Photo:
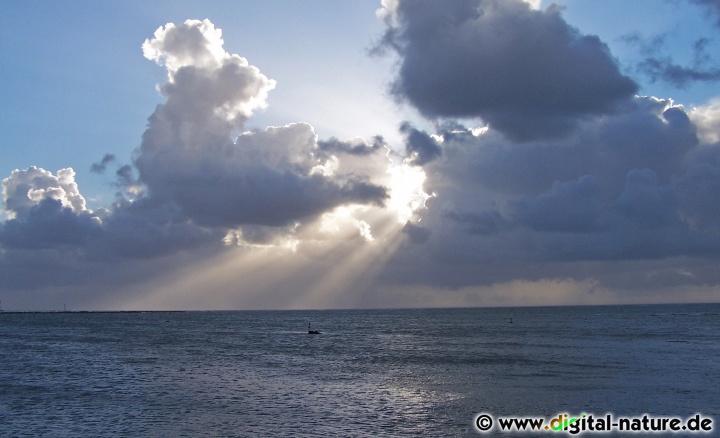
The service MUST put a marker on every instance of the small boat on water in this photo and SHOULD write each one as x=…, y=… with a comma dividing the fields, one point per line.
x=312, y=332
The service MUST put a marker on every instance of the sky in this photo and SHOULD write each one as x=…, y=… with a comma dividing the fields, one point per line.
x=366, y=154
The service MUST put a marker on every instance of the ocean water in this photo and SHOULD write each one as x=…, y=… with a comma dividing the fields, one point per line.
x=370, y=372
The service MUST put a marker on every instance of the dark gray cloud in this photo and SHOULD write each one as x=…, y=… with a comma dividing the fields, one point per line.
x=526, y=72
x=416, y=233
x=479, y=222
x=663, y=68
x=263, y=196
x=644, y=134
x=696, y=189
x=264, y=178
x=147, y=228
x=420, y=147
x=101, y=166
x=666, y=70
x=140, y=229
x=356, y=146
x=634, y=188
x=571, y=206
x=48, y=213
x=49, y=225
x=125, y=176
x=658, y=66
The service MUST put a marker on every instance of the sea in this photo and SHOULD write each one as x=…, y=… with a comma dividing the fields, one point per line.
x=369, y=373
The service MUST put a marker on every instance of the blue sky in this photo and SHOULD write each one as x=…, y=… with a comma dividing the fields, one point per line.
x=77, y=87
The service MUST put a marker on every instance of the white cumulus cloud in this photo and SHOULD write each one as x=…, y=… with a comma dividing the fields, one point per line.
x=25, y=188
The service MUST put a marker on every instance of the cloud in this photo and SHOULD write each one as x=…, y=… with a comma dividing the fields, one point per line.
x=478, y=222
x=419, y=146
x=49, y=224
x=146, y=229
x=48, y=211
x=416, y=233
x=574, y=186
x=706, y=119
x=187, y=156
x=356, y=146
x=126, y=180
x=264, y=178
x=524, y=71
x=635, y=188
x=646, y=133
x=24, y=189
x=102, y=165
x=193, y=43
x=198, y=184
x=680, y=76
x=665, y=69
x=658, y=66
x=204, y=81
x=571, y=206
